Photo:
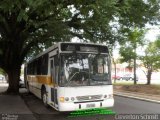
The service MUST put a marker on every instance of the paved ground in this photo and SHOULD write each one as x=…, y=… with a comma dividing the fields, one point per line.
x=30, y=107
x=125, y=105
x=122, y=105
x=9, y=103
x=13, y=107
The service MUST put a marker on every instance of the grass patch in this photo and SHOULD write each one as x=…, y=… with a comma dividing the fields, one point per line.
x=123, y=83
x=140, y=88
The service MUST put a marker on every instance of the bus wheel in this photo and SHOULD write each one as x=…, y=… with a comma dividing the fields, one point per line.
x=44, y=97
x=28, y=88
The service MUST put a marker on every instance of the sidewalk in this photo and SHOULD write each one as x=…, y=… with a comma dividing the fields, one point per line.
x=13, y=107
x=140, y=96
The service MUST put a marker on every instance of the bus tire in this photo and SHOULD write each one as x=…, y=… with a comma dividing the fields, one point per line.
x=28, y=88
x=44, y=97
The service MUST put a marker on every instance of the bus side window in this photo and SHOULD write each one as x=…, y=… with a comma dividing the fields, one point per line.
x=56, y=65
x=52, y=71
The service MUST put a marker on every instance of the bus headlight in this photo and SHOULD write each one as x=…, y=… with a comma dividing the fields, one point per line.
x=66, y=99
x=61, y=99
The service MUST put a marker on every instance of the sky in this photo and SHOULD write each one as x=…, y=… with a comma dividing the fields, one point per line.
x=152, y=33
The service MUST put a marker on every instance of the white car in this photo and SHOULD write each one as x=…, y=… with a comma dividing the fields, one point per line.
x=1, y=77
x=128, y=77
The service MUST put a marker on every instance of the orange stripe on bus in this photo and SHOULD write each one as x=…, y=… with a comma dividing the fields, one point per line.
x=43, y=79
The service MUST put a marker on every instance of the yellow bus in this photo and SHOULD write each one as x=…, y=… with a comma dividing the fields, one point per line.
x=71, y=76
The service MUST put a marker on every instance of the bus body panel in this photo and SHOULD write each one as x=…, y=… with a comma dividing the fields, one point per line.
x=73, y=107
x=85, y=97
x=80, y=95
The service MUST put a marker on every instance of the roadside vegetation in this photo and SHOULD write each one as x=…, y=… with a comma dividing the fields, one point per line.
x=27, y=27
x=139, y=88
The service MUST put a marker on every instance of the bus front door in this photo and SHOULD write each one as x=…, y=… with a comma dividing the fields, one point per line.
x=54, y=74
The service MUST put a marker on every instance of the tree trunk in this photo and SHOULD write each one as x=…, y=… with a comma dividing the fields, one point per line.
x=115, y=74
x=13, y=80
x=115, y=69
x=149, y=77
x=135, y=77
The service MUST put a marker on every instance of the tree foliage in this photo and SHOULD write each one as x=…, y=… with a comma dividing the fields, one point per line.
x=2, y=71
x=128, y=50
x=151, y=59
x=29, y=26
x=133, y=39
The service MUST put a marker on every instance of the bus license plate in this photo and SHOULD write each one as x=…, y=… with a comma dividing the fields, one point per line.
x=90, y=105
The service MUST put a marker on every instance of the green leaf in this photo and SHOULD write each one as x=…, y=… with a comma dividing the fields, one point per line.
x=22, y=16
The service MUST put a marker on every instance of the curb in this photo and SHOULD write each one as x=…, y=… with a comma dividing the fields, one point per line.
x=138, y=98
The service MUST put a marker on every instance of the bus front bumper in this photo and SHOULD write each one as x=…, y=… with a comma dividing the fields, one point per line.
x=73, y=106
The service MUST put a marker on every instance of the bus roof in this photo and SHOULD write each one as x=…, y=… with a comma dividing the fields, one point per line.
x=57, y=45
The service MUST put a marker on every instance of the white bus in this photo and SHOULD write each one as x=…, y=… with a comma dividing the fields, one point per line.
x=71, y=76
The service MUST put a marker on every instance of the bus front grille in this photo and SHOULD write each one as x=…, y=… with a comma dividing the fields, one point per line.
x=89, y=97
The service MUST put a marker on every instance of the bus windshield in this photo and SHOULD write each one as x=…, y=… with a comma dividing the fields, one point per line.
x=84, y=70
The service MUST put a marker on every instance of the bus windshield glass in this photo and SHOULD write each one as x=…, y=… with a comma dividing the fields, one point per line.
x=84, y=70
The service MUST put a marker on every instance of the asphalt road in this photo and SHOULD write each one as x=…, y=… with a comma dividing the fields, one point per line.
x=125, y=105
x=122, y=106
